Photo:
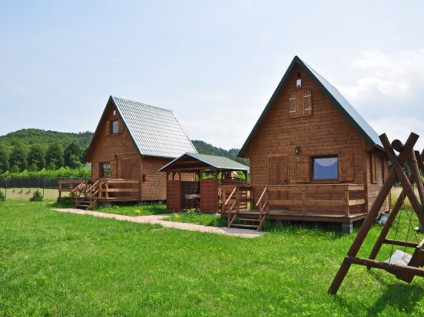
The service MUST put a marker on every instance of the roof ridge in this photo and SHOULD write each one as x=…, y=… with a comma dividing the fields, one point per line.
x=141, y=103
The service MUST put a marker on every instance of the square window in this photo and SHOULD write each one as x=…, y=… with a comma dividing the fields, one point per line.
x=115, y=127
x=325, y=168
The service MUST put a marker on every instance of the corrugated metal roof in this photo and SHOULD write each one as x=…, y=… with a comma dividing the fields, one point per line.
x=155, y=131
x=345, y=107
x=218, y=162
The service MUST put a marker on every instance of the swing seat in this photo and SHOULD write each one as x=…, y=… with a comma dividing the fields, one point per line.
x=405, y=259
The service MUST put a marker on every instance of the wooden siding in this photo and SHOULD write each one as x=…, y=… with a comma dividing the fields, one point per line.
x=173, y=199
x=154, y=186
x=209, y=195
x=325, y=132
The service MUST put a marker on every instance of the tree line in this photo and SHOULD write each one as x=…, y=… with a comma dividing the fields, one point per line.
x=36, y=157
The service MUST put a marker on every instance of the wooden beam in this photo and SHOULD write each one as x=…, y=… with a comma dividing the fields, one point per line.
x=375, y=208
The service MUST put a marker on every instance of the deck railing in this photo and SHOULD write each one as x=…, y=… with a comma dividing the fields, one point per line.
x=303, y=197
x=235, y=198
x=104, y=189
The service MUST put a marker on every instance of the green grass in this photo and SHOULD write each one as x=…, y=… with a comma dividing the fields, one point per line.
x=134, y=210
x=60, y=264
x=196, y=218
x=26, y=193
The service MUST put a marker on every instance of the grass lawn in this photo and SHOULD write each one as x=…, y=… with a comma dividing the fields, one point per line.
x=134, y=210
x=26, y=193
x=205, y=219
x=60, y=264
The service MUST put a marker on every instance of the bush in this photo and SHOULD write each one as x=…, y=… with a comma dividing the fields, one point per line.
x=37, y=196
x=2, y=196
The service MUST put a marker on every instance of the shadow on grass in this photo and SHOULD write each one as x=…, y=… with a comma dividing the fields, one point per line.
x=296, y=226
x=400, y=296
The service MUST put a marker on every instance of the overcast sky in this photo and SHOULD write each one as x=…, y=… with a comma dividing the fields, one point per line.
x=214, y=63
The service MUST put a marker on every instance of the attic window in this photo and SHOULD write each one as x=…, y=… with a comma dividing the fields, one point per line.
x=114, y=112
x=115, y=127
x=298, y=80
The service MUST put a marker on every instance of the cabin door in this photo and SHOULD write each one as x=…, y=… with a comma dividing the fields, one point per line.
x=278, y=175
x=130, y=169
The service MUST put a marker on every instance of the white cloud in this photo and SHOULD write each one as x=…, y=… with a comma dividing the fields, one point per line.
x=397, y=76
x=400, y=128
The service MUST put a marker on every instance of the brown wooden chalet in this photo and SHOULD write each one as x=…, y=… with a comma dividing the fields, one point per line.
x=131, y=143
x=312, y=155
x=203, y=182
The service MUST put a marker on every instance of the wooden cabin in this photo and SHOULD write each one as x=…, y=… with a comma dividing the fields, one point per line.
x=203, y=181
x=312, y=155
x=131, y=143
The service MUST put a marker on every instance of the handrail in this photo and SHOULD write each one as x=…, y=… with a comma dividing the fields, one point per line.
x=94, y=185
x=231, y=195
x=262, y=195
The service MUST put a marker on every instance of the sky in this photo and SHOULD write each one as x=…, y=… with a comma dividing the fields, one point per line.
x=214, y=63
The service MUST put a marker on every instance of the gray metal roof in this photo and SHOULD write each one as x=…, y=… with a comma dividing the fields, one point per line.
x=155, y=131
x=218, y=162
x=330, y=91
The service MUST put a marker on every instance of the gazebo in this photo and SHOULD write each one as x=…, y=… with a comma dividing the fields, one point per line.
x=198, y=181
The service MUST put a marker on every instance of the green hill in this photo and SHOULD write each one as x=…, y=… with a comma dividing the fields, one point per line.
x=35, y=149
x=29, y=137
x=206, y=148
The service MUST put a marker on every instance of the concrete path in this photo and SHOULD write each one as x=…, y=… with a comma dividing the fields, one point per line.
x=157, y=219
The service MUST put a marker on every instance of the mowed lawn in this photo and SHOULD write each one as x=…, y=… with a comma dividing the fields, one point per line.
x=60, y=264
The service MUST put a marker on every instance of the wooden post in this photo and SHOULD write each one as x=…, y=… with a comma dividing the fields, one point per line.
x=369, y=220
x=386, y=228
x=346, y=198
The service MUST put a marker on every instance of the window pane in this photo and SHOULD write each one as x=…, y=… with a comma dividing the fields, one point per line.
x=106, y=170
x=326, y=168
x=115, y=126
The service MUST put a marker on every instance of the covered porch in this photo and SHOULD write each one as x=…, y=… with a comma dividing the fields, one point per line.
x=199, y=181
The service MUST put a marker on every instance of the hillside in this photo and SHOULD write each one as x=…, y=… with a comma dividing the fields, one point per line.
x=29, y=137
x=206, y=148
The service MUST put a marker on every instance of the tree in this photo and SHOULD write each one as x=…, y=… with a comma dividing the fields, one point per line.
x=72, y=155
x=54, y=156
x=4, y=159
x=18, y=158
x=36, y=158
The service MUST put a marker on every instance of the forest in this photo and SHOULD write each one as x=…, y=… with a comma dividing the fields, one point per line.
x=35, y=152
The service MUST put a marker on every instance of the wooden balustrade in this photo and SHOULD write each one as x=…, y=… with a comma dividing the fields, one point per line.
x=304, y=197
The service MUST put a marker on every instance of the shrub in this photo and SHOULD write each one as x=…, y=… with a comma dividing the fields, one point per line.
x=37, y=196
x=2, y=196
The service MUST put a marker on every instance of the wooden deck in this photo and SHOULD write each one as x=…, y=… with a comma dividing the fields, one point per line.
x=85, y=193
x=287, y=214
x=342, y=203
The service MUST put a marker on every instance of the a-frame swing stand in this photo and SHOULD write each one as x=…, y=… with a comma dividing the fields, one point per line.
x=407, y=271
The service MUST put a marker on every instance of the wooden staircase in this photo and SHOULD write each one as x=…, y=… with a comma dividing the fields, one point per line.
x=236, y=207
x=86, y=196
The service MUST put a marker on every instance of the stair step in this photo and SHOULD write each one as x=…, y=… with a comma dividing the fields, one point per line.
x=248, y=219
x=238, y=225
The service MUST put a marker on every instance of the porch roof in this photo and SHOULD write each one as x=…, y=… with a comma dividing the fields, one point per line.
x=195, y=161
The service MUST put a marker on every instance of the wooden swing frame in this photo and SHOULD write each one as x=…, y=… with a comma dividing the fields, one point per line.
x=415, y=161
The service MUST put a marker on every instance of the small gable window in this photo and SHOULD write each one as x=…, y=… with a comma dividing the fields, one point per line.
x=105, y=169
x=115, y=127
x=325, y=168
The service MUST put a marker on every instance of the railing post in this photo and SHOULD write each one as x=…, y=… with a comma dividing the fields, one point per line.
x=107, y=189
x=238, y=199
x=346, y=198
